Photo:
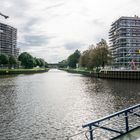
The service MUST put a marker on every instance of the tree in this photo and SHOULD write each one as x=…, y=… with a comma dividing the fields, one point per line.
x=97, y=56
x=73, y=59
x=37, y=60
x=103, y=52
x=84, y=58
x=12, y=61
x=4, y=59
x=63, y=64
x=46, y=64
x=27, y=60
x=91, y=58
x=42, y=62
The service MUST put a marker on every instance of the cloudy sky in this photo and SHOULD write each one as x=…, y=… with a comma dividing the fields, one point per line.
x=53, y=29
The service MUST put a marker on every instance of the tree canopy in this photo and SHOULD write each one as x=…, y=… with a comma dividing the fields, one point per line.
x=4, y=60
x=63, y=64
x=97, y=56
x=73, y=59
x=12, y=61
x=27, y=60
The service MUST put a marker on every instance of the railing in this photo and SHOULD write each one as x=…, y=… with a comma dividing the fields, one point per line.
x=126, y=112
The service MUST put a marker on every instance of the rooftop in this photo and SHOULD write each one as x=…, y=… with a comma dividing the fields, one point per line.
x=125, y=17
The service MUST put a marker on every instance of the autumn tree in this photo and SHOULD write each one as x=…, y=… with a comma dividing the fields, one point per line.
x=96, y=56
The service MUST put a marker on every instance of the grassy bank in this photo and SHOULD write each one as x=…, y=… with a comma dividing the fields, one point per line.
x=22, y=71
x=81, y=71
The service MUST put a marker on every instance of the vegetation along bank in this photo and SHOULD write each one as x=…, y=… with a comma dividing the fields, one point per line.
x=22, y=71
x=94, y=61
x=25, y=63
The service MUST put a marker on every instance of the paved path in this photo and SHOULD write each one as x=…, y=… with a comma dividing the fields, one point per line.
x=133, y=135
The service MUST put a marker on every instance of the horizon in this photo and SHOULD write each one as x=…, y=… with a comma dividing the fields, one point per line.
x=54, y=29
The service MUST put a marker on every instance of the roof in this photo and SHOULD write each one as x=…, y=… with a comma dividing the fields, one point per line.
x=125, y=17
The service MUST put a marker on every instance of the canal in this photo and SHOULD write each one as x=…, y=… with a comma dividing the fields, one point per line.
x=52, y=105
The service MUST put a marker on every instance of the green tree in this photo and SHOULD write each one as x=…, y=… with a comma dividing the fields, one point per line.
x=4, y=60
x=96, y=56
x=104, y=53
x=42, y=62
x=37, y=60
x=46, y=64
x=27, y=60
x=91, y=58
x=73, y=59
x=12, y=61
x=63, y=64
x=84, y=58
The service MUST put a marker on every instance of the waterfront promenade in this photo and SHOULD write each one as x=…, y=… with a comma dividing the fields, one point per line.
x=109, y=74
x=133, y=135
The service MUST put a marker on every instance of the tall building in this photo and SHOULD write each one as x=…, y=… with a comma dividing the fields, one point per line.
x=124, y=38
x=8, y=40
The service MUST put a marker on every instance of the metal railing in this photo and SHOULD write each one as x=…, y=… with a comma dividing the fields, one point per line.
x=126, y=112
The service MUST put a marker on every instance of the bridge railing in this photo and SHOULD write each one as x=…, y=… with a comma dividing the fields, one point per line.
x=133, y=111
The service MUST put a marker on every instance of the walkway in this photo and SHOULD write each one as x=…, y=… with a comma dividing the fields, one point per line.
x=133, y=135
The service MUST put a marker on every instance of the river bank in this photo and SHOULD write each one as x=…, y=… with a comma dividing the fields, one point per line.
x=108, y=74
x=84, y=72
x=22, y=71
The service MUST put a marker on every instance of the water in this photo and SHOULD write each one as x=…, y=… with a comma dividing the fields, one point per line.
x=52, y=105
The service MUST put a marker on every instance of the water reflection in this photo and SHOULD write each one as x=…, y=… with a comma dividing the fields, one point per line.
x=55, y=104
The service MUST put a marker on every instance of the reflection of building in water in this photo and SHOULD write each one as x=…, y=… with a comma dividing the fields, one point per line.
x=124, y=38
x=8, y=40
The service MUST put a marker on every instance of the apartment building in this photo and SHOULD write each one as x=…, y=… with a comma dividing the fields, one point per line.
x=8, y=40
x=124, y=37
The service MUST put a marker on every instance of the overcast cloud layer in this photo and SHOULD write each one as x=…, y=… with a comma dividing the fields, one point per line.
x=53, y=29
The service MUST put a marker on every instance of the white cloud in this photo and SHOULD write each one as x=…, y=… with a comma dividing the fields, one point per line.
x=54, y=28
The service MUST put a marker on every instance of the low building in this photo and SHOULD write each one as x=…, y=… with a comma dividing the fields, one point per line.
x=124, y=38
x=8, y=40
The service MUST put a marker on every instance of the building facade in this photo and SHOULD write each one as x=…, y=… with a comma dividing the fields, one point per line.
x=8, y=40
x=124, y=37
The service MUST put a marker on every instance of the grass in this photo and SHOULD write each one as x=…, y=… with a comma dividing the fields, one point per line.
x=81, y=71
x=22, y=71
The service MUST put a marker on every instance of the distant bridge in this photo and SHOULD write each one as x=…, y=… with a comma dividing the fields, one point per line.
x=53, y=65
